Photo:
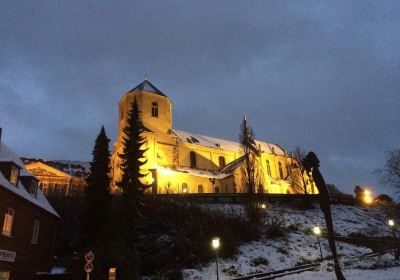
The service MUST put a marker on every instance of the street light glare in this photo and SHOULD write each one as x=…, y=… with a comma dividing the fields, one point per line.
x=215, y=243
x=391, y=222
x=317, y=230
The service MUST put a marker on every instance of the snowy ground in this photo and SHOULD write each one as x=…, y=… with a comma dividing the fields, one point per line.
x=301, y=247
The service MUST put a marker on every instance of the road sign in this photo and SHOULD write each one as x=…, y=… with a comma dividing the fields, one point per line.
x=89, y=267
x=89, y=257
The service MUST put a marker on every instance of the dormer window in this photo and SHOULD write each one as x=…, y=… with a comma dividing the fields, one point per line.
x=154, y=109
x=14, y=175
x=30, y=183
x=32, y=189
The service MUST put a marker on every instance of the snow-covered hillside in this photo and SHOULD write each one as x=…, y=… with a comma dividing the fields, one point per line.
x=301, y=247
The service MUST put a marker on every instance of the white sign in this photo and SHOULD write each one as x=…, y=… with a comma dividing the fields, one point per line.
x=88, y=267
x=89, y=257
x=7, y=256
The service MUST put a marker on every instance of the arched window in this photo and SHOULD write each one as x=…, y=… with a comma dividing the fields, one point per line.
x=8, y=222
x=216, y=190
x=154, y=109
x=200, y=189
x=280, y=170
x=192, y=159
x=221, y=160
x=268, y=168
x=185, y=188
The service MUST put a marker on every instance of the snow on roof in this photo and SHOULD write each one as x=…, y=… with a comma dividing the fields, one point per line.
x=207, y=141
x=7, y=155
x=71, y=167
x=201, y=173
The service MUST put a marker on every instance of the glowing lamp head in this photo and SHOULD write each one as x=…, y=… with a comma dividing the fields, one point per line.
x=215, y=243
x=368, y=197
x=317, y=230
x=391, y=222
x=263, y=206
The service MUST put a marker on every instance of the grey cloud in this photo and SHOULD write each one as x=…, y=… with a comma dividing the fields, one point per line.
x=321, y=75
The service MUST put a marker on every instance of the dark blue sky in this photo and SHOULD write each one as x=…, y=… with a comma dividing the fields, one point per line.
x=320, y=75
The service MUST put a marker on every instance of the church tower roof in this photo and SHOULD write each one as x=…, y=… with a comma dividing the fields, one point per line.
x=147, y=86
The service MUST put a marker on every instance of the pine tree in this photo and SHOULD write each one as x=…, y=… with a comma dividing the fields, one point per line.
x=98, y=204
x=132, y=156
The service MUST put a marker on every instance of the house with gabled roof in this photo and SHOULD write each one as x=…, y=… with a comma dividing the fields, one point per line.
x=27, y=219
x=59, y=177
x=182, y=162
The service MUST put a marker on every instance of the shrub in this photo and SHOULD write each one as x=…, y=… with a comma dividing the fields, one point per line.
x=259, y=261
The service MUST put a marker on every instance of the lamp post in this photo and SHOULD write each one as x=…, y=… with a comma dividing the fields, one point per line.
x=317, y=232
x=392, y=226
x=215, y=246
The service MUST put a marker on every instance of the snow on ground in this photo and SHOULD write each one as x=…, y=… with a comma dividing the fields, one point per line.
x=301, y=247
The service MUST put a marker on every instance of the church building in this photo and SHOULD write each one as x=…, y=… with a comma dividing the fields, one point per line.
x=181, y=162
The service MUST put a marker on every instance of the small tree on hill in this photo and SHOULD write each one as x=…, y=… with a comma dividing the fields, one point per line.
x=300, y=178
x=250, y=151
x=391, y=171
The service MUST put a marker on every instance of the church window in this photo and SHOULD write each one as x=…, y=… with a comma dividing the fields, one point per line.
x=200, y=189
x=154, y=109
x=221, y=161
x=280, y=170
x=268, y=168
x=193, y=160
x=216, y=190
x=184, y=188
x=122, y=114
x=8, y=222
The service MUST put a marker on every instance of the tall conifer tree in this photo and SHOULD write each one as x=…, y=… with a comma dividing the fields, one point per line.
x=98, y=198
x=132, y=156
x=97, y=217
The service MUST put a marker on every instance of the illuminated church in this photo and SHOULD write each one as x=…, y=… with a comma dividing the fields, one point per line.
x=181, y=162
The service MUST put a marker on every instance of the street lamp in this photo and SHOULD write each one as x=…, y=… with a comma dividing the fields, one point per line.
x=263, y=206
x=215, y=246
x=317, y=232
x=391, y=222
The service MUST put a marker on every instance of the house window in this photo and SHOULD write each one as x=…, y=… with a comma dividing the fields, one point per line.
x=8, y=222
x=4, y=275
x=154, y=109
x=185, y=188
x=193, y=160
x=58, y=189
x=14, y=175
x=35, y=234
x=45, y=188
x=200, y=189
x=221, y=161
x=268, y=168
x=280, y=170
x=33, y=188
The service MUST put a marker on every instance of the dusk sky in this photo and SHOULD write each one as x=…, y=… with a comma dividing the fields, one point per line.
x=324, y=76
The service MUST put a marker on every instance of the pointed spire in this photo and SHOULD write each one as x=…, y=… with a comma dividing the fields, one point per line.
x=146, y=78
